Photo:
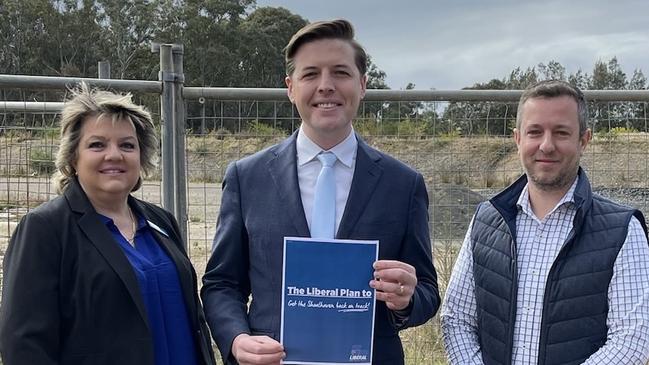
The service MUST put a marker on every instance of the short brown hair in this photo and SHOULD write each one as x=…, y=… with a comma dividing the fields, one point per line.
x=554, y=89
x=86, y=102
x=331, y=29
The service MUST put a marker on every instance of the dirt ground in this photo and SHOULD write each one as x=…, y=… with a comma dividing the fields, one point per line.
x=459, y=173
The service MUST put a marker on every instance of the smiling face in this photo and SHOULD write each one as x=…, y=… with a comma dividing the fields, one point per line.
x=326, y=87
x=108, y=158
x=548, y=142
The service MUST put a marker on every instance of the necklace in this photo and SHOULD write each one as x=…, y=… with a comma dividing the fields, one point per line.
x=133, y=227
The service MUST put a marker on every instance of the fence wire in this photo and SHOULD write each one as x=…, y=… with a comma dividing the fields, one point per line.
x=466, y=155
x=464, y=150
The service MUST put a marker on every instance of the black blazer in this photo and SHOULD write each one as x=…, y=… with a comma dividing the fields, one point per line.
x=70, y=295
x=261, y=204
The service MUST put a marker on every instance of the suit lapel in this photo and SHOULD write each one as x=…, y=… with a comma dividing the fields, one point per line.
x=283, y=171
x=102, y=239
x=367, y=175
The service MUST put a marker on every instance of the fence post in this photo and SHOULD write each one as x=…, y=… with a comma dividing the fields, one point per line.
x=167, y=120
x=103, y=70
x=172, y=110
x=180, y=170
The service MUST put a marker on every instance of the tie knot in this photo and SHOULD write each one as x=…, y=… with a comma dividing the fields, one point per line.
x=327, y=159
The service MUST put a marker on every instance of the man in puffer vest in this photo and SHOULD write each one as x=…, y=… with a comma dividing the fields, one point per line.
x=549, y=272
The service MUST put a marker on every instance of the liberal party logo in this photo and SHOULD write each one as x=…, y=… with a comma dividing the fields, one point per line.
x=359, y=354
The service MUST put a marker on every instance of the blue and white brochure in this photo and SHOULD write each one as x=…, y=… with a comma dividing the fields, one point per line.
x=328, y=305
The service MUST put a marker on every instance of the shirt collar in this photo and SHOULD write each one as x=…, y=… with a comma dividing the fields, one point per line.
x=307, y=150
x=524, y=205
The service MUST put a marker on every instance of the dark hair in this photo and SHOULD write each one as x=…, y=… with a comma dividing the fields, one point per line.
x=333, y=29
x=553, y=89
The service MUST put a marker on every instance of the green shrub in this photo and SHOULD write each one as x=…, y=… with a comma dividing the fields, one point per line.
x=612, y=134
x=408, y=128
x=16, y=135
x=257, y=128
x=412, y=128
x=367, y=127
x=451, y=135
x=41, y=161
x=50, y=134
x=201, y=148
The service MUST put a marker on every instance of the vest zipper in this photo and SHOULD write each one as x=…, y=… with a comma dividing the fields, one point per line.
x=512, y=314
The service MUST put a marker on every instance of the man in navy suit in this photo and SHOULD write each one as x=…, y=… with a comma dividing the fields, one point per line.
x=270, y=195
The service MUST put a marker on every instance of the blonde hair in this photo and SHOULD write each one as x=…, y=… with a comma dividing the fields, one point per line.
x=86, y=102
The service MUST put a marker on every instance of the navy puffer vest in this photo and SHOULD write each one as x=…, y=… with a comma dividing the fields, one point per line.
x=575, y=304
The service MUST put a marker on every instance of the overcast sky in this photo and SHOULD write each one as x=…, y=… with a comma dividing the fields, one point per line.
x=456, y=43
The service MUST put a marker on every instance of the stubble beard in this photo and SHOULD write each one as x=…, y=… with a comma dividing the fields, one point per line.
x=562, y=181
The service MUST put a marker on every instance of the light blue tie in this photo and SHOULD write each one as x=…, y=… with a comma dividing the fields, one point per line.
x=323, y=217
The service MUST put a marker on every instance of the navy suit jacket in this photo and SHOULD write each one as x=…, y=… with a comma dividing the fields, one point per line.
x=261, y=204
x=70, y=295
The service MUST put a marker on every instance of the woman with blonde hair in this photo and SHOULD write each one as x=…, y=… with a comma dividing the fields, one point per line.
x=96, y=276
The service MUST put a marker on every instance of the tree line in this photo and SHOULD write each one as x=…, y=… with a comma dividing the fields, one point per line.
x=235, y=43
x=227, y=42
x=499, y=118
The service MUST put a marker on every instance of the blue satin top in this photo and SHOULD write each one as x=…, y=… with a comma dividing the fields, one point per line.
x=168, y=319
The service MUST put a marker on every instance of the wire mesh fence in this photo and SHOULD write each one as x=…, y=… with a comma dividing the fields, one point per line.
x=464, y=149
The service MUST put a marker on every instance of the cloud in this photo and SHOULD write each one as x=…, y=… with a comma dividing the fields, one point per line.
x=452, y=44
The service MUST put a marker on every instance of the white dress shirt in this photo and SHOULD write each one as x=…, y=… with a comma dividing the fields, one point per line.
x=538, y=244
x=308, y=168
